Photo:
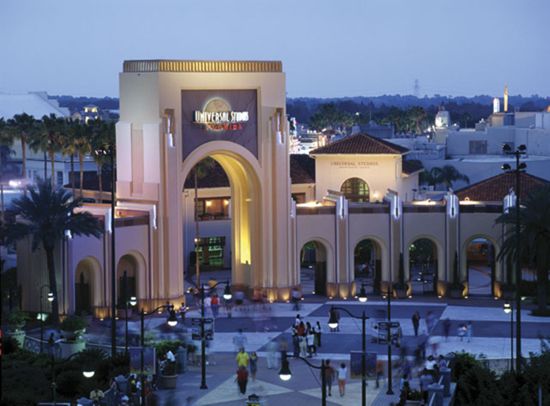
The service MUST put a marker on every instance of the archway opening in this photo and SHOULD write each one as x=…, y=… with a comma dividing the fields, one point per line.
x=480, y=265
x=313, y=268
x=127, y=271
x=355, y=190
x=423, y=266
x=368, y=264
x=222, y=218
x=84, y=286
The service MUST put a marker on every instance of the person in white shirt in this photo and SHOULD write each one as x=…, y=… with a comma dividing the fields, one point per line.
x=342, y=375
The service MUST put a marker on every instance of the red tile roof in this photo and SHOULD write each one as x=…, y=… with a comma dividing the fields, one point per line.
x=360, y=144
x=494, y=189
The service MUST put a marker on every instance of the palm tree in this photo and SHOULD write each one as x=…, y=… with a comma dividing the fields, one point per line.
x=45, y=215
x=24, y=127
x=50, y=140
x=69, y=147
x=443, y=176
x=534, y=238
x=83, y=147
x=103, y=135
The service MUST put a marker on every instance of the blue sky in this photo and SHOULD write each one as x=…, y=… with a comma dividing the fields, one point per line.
x=328, y=48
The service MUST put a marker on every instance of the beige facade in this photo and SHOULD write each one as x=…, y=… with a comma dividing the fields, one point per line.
x=265, y=229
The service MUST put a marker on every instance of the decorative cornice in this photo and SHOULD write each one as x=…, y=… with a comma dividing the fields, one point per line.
x=202, y=66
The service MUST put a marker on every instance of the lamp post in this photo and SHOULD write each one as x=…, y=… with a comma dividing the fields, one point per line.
x=285, y=374
x=520, y=167
x=172, y=322
x=333, y=323
x=508, y=308
x=132, y=301
x=388, y=339
x=87, y=372
x=110, y=150
x=51, y=298
x=227, y=296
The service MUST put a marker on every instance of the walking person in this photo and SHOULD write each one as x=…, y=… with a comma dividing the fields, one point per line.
x=379, y=372
x=303, y=346
x=310, y=341
x=469, y=331
x=318, y=332
x=253, y=366
x=242, y=379
x=446, y=328
x=416, y=322
x=342, y=375
x=215, y=305
x=239, y=340
x=329, y=376
x=242, y=358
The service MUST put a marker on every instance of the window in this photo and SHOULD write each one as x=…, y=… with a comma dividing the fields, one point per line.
x=216, y=208
x=355, y=190
x=478, y=147
x=299, y=197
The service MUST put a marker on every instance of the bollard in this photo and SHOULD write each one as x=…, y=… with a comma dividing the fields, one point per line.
x=437, y=390
x=446, y=375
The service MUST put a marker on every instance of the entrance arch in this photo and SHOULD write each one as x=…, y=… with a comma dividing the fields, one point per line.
x=87, y=281
x=313, y=268
x=242, y=170
x=367, y=264
x=127, y=263
x=479, y=254
x=423, y=256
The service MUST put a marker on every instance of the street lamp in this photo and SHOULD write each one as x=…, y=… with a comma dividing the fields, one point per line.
x=50, y=298
x=333, y=323
x=132, y=301
x=388, y=339
x=87, y=371
x=172, y=321
x=520, y=167
x=227, y=296
x=508, y=308
x=285, y=374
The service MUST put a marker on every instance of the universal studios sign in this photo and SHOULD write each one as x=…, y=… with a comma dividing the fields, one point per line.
x=218, y=116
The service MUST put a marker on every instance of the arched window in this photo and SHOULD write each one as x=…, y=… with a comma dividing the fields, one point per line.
x=355, y=190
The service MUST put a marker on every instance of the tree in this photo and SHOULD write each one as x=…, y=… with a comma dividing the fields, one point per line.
x=69, y=147
x=44, y=215
x=49, y=139
x=83, y=135
x=24, y=127
x=534, y=239
x=443, y=176
x=103, y=135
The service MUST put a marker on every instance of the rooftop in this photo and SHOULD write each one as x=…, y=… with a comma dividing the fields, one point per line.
x=170, y=65
x=360, y=144
x=494, y=189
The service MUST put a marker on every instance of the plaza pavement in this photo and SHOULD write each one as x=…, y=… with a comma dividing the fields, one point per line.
x=491, y=327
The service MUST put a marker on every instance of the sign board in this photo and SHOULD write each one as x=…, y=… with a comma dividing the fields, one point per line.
x=196, y=321
x=196, y=328
x=219, y=115
x=149, y=359
x=356, y=362
x=384, y=324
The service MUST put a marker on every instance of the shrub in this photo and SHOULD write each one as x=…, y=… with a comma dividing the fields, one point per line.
x=73, y=323
x=9, y=345
x=17, y=319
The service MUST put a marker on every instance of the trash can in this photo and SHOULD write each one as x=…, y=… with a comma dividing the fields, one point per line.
x=255, y=400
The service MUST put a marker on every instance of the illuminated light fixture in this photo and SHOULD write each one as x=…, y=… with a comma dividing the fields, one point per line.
x=312, y=292
x=133, y=301
x=333, y=319
x=116, y=317
x=507, y=308
x=101, y=319
x=14, y=183
x=439, y=296
x=496, y=297
x=172, y=319
x=410, y=296
x=284, y=372
x=225, y=202
x=362, y=294
x=227, y=293
x=208, y=203
x=51, y=297
x=88, y=373
x=466, y=297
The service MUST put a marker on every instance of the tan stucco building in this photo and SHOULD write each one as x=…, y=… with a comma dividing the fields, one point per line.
x=267, y=206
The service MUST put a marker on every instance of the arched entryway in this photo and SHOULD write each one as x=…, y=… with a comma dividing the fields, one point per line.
x=367, y=264
x=423, y=266
x=127, y=283
x=480, y=266
x=242, y=208
x=86, y=291
x=313, y=268
x=355, y=190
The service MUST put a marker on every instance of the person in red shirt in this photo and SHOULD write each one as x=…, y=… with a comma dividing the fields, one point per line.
x=242, y=379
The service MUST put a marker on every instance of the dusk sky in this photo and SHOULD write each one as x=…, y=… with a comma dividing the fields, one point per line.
x=328, y=48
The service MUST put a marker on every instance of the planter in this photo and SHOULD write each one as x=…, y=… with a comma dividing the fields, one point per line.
x=69, y=348
x=168, y=381
x=19, y=336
